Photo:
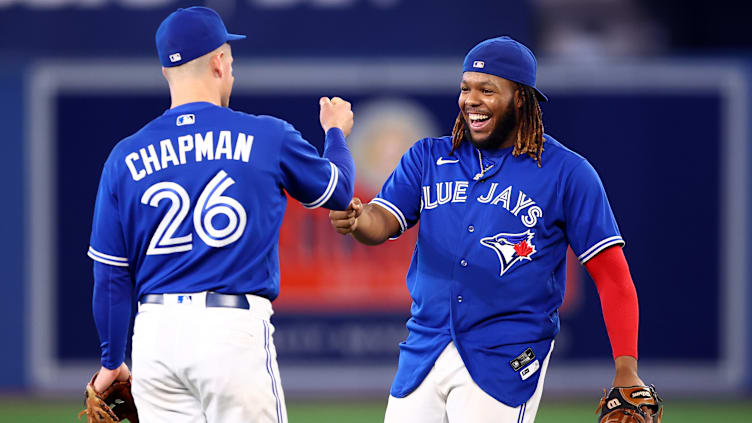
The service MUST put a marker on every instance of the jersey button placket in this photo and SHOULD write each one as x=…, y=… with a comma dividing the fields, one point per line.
x=471, y=228
x=463, y=263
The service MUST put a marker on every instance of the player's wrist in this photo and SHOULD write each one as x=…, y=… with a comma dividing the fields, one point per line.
x=626, y=372
x=332, y=130
x=104, y=378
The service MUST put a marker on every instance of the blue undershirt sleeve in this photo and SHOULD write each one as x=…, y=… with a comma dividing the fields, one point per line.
x=111, y=305
x=335, y=149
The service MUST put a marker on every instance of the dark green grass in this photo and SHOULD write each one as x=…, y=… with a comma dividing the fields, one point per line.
x=54, y=411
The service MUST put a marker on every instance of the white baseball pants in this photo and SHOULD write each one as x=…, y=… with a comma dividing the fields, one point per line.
x=449, y=395
x=197, y=364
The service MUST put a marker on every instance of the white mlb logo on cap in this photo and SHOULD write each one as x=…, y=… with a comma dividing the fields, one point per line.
x=479, y=64
x=175, y=57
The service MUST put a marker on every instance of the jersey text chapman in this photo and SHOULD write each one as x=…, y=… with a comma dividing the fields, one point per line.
x=196, y=148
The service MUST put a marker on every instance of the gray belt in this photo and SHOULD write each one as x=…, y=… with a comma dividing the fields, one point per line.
x=213, y=299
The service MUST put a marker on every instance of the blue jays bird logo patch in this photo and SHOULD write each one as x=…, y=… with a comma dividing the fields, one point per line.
x=511, y=248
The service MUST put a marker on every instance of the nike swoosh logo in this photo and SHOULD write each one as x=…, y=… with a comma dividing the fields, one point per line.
x=442, y=161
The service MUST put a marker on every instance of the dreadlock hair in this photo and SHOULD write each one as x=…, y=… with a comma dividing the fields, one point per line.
x=529, y=138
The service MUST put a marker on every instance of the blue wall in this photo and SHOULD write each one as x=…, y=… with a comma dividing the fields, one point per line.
x=12, y=221
x=302, y=28
x=748, y=309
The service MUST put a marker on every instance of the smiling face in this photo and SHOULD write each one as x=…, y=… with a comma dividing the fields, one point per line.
x=488, y=105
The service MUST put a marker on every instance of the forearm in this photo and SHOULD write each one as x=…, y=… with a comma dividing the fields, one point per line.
x=111, y=304
x=610, y=272
x=374, y=226
x=618, y=297
x=336, y=151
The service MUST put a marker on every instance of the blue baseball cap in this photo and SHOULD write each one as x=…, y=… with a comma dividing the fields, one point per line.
x=190, y=33
x=505, y=58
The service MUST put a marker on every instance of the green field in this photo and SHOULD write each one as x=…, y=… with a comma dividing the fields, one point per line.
x=43, y=411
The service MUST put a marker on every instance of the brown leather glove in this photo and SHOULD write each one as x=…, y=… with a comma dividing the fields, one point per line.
x=633, y=404
x=111, y=406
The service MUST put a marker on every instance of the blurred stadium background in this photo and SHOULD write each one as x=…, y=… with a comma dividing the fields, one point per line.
x=657, y=94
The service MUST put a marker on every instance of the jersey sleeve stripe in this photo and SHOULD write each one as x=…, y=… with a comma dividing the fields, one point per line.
x=105, y=261
x=394, y=210
x=92, y=251
x=600, y=246
x=328, y=191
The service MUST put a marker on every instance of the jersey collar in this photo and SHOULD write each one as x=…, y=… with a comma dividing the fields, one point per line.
x=189, y=107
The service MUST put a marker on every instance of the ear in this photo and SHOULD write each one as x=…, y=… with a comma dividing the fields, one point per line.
x=518, y=100
x=164, y=72
x=215, y=63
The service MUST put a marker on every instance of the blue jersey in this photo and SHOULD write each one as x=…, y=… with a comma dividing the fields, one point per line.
x=488, y=270
x=194, y=200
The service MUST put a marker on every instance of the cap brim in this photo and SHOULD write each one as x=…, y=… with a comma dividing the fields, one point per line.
x=540, y=95
x=233, y=37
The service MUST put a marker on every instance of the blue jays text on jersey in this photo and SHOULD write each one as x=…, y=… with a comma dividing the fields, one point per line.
x=488, y=270
x=194, y=200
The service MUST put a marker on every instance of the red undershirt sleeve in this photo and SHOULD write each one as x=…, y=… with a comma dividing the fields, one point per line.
x=618, y=296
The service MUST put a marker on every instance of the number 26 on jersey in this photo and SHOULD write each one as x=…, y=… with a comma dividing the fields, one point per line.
x=210, y=203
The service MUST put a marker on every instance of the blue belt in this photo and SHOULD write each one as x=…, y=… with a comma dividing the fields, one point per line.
x=213, y=299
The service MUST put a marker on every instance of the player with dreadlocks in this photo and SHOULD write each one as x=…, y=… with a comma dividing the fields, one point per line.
x=487, y=276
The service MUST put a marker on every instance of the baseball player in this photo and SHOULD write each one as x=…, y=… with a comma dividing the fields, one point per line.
x=498, y=203
x=188, y=215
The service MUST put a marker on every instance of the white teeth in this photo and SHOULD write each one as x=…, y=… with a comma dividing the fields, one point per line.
x=477, y=116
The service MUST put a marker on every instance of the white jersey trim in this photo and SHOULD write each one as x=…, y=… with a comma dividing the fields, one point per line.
x=106, y=258
x=394, y=210
x=328, y=191
x=600, y=246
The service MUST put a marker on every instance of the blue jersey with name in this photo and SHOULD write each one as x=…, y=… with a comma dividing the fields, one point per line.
x=488, y=270
x=194, y=200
